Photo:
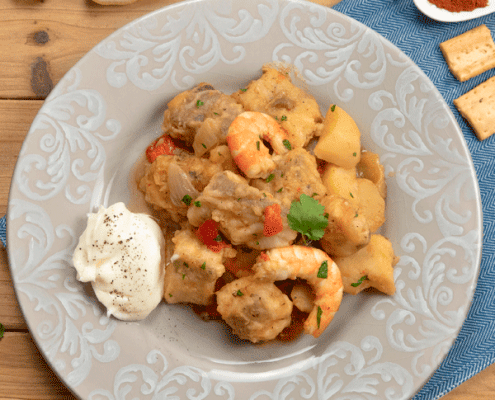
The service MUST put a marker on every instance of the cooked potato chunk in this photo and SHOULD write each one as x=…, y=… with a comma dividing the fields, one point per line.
x=371, y=204
x=372, y=266
x=369, y=167
x=342, y=182
x=340, y=140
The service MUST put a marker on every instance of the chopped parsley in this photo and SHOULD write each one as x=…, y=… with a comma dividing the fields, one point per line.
x=323, y=271
x=356, y=215
x=284, y=118
x=183, y=276
x=306, y=217
x=287, y=144
x=319, y=313
x=243, y=90
x=199, y=103
x=354, y=154
x=2, y=330
x=197, y=203
x=170, y=295
x=187, y=200
x=270, y=177
x=258, y=145
x=363, y=278
x=204, y=145
x=239, y=293
x=280, y=190
x=218, y=239
x=350, y=193
x=332, y=108
x=216, y=113
x=203, y=266
x=186, y=265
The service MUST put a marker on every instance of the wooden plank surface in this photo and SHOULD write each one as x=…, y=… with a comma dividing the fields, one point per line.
x=39, y=42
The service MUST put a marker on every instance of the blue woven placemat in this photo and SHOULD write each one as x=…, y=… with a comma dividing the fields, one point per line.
x=418, y=36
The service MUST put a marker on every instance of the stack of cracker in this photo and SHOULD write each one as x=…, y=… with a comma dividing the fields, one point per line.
x=467, y=56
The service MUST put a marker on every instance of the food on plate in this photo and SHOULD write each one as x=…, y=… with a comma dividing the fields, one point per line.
x=258, y=198
x=255, y=309
x=340, y=141
x=122, y=254
x=317, y=269
x=470, y=53
x=459, y=5
x=275, y=94
x=376, y=261
x=477, y=107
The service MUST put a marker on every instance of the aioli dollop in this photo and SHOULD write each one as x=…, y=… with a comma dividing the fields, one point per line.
x=122, y=254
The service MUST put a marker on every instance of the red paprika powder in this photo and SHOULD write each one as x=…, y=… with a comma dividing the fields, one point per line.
x=459, y=5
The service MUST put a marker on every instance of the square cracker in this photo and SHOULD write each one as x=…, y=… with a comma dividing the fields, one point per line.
x=470, y=54
x=478, y=107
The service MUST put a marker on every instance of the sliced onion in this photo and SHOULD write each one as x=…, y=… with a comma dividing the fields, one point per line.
x=207, y=136
x=180, y=185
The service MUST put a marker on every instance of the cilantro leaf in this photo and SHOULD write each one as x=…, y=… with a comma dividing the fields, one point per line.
x=307, y=217
x=363, y=278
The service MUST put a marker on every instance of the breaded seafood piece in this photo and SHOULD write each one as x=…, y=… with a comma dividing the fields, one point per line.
x=239, y=210
x=255, y=310
x=347, y=230
x=200, y=117
x=295, y=173
x=155, y=182
x=275, y=94
x=194, y=269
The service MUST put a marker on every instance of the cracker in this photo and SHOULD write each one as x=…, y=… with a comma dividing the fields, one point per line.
x=478, y=107
x=470, y=54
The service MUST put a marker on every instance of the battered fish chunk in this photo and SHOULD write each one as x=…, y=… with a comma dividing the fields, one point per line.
x=275, y=94
x=194, y=270
x=255, y=310
x=239, y=210
x=155, y=183
x=296, y=173
x=200, y=117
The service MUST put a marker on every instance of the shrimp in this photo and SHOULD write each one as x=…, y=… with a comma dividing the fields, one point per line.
x=312, y=265
x=245, y=140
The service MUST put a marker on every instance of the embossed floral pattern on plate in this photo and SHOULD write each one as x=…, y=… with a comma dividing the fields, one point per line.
x=80, y=151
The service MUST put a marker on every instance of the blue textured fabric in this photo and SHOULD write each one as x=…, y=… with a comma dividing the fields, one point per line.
x=3, y=231
x=419, y=37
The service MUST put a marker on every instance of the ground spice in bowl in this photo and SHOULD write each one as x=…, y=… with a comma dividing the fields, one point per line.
x=459, y=5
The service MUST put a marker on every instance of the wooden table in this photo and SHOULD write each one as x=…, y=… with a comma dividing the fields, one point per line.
x=39, y=42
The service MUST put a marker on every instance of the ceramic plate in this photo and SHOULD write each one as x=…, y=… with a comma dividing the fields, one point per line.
x=80, y=151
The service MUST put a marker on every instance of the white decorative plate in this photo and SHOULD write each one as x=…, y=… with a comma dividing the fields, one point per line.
x=79, y=153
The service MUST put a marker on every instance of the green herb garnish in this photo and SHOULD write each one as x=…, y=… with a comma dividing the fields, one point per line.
x=323, y=271
x=354, y=154
x=319, y=313
x=363, y=278
x=2, y=330
x=199, y=103
x=284, y=118
x=270, y=177
x=280, y=190
x=351, y=194
x=243, y=90
x=203, y=266
x=332, y=108
x=197, y=203
x=204, y=145
x=258, y=145
x=286, y=144
x=218, y=239
x=239, y=293
x=187, y=200
x=306, y=216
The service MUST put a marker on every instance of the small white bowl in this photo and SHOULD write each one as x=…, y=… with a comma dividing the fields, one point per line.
x=440, y=14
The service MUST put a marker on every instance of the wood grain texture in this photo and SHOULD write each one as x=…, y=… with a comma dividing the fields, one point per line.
x=39, y=42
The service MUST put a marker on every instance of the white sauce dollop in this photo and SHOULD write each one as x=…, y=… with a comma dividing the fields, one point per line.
x=122, y=254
